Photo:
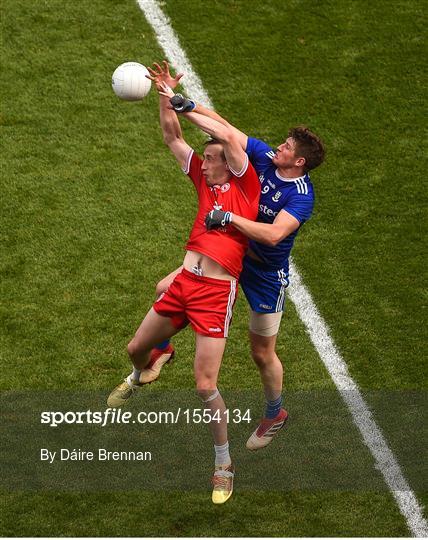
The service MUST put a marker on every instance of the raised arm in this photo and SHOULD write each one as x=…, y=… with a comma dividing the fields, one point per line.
x=242, y=137
x=170, y=125
x=236, y=157
x=171, y=131
x=172, y=82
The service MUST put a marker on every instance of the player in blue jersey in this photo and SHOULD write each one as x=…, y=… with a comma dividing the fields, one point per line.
x=286, y=203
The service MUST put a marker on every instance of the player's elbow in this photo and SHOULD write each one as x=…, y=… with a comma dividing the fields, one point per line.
x=271, y=242
x=275, y=237
x=228, y=135
x=223, y=134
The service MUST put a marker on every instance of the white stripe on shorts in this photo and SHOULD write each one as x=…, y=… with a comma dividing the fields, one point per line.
x=281, y=296
x=230, y=302
x=280, y=302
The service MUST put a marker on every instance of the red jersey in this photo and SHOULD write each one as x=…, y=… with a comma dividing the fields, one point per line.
x=240, y=195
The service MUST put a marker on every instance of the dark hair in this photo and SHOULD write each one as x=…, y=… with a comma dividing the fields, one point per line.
x=308, y=146
x=215, y=141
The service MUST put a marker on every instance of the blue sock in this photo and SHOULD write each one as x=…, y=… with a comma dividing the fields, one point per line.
x=162, y=345
x=273, y=407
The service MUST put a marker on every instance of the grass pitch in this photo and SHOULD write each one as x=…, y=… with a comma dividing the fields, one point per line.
x=95, y=211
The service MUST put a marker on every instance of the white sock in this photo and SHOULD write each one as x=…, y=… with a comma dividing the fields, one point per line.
x=134, y=377
x=222, y=456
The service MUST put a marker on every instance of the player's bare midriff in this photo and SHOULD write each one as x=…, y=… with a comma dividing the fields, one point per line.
x=202, y=265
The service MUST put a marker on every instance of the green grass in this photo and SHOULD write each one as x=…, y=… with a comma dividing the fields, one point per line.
x=354, y=72
x=177, y=514
x=87, y=230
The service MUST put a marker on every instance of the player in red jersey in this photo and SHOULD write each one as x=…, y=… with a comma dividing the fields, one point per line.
x=203, y=292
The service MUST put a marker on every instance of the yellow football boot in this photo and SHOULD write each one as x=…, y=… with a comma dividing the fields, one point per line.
x=223, y=483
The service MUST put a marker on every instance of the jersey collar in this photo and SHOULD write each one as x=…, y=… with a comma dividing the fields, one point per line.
x=304, y=177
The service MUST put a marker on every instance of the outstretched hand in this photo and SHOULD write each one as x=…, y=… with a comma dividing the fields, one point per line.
x=177, y=102
x=161, y=75
x=165, y=90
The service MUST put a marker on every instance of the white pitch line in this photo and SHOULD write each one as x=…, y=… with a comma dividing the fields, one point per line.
x=315, y=325
x=363, y=419
x=167, y=39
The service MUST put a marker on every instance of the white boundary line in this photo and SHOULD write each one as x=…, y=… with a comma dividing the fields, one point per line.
x=363, y=419
x=307, y=310
x=167, y=39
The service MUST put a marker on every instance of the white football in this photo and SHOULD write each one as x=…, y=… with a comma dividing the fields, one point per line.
x=129, y=81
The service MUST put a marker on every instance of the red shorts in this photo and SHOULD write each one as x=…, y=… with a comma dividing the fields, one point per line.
x=206, y=303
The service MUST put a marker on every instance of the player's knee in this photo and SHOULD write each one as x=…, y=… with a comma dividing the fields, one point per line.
x=263, y=356
x=161, y=287
x=207, y=395
x=260, y=358
x=206, y=387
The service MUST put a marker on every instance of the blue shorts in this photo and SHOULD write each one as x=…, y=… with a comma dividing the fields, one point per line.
x=264, y=289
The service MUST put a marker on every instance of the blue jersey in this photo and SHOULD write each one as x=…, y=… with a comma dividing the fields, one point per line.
x=294, y=195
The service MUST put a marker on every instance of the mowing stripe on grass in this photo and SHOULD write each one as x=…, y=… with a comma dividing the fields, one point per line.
x=307, y=310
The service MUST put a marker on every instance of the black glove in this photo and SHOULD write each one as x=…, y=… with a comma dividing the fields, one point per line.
x=181, y=104
x=217, y=218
